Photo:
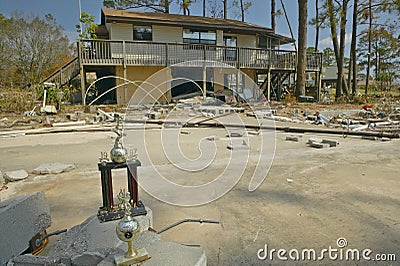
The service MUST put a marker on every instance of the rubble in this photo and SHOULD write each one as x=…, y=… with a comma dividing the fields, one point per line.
x=235, y=145
x=15, y=175
x=21, y=219
x=295, y=138
x=52, y=168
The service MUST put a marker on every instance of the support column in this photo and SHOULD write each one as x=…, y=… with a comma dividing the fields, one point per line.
x=83, y=84
x=204, y=81
x=319, y=85
x=269, y=85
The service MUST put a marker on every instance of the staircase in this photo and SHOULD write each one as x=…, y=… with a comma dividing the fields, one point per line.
x=64, y=74
x=276, y=85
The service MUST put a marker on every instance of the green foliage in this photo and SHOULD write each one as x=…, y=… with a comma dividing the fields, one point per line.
x=328, y=57
x=161, y=6
x=88, y=28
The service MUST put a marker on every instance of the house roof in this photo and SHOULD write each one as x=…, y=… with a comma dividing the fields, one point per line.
x=152, y=18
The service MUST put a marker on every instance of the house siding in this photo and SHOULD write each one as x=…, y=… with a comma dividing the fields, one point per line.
x=167, y=34
x=248, y=41
x=121, y=31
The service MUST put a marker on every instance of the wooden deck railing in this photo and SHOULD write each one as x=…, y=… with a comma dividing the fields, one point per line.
x=134, y=53
x=64, y=74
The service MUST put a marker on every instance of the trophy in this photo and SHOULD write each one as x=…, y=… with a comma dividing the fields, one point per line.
x=127, y=230
x=118, y=153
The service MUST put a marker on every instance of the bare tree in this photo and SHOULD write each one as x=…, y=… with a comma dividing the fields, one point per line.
x=302, y=46
x=34, y=45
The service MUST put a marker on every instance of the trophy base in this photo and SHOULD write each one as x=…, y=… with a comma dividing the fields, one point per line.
x=105, y=216
x=141, y=255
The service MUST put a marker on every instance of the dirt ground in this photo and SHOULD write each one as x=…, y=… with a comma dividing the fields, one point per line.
x=310, y=198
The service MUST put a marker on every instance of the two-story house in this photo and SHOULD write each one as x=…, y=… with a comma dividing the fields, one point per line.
x=135, y=45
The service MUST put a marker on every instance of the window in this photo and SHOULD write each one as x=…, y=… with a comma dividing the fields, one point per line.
x=263, y=42
x=199, y=37
x=142, y=33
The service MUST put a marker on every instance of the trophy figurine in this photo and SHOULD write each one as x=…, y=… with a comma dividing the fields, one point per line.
x=127, y=230
x=118, y=153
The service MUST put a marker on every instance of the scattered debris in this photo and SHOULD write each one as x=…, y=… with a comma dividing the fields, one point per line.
x=238, y=146
x=385, y=139
x=23, y=218
x=184, y=132
x=369, y=137
x=235, y=135
x=52, y=168
x=211, y=138
x=295, y=138
x=332, y=143
x=68, y=124
x=289, y=180
x=15, y=175
x=30, y=113
x=319, y=145
x=314, y=140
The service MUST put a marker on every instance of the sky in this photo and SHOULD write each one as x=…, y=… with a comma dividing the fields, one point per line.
x=66, y=13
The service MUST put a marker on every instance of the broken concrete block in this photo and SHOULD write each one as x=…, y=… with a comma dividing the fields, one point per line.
x=311, y=140
x=211, y=138
x=235, y=135
x=52, y=168
x=15, y=175
x=369, y=137
x=93, y=235
x=87, y=258
x=21, y=219
x=238, y=146
x=30, y=260
x=319, y=145
x=332, y=143
x=385, y=139
x=184, y=132
x=293, y=138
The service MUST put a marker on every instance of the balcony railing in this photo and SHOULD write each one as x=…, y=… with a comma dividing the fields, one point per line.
x=134, y=53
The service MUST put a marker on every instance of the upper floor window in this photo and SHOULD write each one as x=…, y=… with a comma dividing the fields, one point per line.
x=142, y=33
x=199, y=37
x=263, y=42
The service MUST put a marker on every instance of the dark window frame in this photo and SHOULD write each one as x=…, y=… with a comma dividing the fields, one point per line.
x=199, y=40
x=145, y=36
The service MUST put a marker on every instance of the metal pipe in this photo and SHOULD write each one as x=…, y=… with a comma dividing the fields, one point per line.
x=187, y=221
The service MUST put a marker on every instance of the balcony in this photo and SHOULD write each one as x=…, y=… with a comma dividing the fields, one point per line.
x=134, y=53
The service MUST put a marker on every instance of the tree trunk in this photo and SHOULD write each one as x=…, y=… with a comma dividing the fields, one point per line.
x=353, y=54
x=225, y=8
x=242, y=9
x=273, y=24
x=301, y=53
x=167, y=6
x=316, y=26
x=335, y=42
x=369, y=47
x=342, y=86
